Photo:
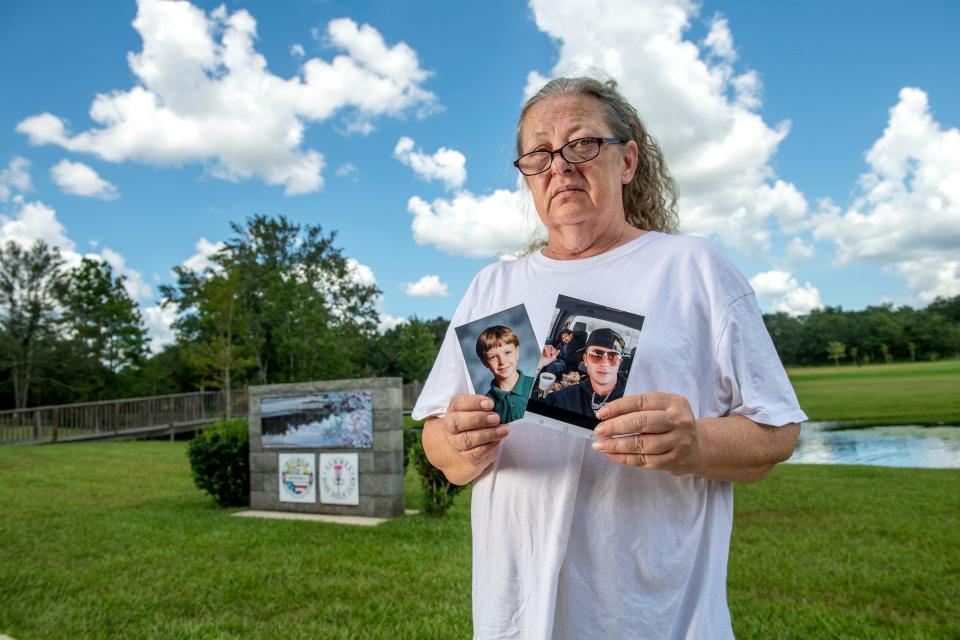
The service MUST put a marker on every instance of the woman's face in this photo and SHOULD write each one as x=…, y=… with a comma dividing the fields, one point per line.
x=578, y=203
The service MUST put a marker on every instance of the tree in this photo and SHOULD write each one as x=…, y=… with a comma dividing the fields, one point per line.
x=106, y=324
x=31, y=289
x=211, y=325
x=279, y=304
x=438, y=329
x=407, y=350
x=836, y=350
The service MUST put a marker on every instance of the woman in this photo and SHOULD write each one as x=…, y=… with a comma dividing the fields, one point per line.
x=627, y=536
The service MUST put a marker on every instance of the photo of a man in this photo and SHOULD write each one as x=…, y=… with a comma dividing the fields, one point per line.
x=498, y=348
x=603, y=383
x=584, y=364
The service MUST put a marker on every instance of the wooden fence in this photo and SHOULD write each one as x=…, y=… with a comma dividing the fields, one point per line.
x=132, y=417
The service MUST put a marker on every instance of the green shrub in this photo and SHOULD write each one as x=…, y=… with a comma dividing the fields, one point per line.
x=438, y=492
x=411, y=436
x=220, y=462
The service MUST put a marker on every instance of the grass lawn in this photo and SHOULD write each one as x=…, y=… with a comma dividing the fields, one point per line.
x=911, y=393
x=112, y=540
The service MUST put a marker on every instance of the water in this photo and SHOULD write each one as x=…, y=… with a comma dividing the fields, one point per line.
x=910, y=446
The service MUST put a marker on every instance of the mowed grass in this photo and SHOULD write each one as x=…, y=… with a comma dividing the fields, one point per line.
x=891, y=394
x=111, y=540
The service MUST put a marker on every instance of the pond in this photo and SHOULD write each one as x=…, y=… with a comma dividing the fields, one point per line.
x=903, y=446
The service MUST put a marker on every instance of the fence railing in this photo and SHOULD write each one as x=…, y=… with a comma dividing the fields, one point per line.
x=132, y=417
x=113, y=418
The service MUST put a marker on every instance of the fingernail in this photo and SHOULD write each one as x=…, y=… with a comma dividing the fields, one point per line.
x=493, y=418
x=487, y=404
x=599, y=446
x=602, y=413
x=600, y=431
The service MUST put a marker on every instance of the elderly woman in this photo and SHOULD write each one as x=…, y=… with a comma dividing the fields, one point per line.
x=628, y=536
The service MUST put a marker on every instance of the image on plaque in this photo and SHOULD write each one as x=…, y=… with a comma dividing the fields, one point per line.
x=339, y=483
x=585, y=364
x=501, y=354
x=331, y=420
x=298, y=477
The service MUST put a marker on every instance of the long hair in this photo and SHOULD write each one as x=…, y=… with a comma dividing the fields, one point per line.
x=650, y=199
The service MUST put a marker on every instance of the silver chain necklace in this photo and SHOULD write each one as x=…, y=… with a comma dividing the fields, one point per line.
x=593, y=401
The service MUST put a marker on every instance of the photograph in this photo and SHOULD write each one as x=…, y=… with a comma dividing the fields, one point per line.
x=502, y=355
x=334, y=420
x=587, y=360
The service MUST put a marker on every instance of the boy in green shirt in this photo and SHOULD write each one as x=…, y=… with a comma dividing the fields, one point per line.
x=498, y=348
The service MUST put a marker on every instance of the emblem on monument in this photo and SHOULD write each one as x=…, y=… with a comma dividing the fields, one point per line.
x=338, y=479
x=298, y=477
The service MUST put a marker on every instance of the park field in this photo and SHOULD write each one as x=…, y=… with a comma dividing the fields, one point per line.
x=881, y=394
x=112, y=540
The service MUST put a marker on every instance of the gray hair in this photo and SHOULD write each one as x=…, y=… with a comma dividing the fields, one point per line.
x=650, y=199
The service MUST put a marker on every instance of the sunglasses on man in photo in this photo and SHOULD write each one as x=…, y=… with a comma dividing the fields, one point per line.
x=612, y=357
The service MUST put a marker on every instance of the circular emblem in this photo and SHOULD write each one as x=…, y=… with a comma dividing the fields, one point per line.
x=297, y=476
x=338, y=477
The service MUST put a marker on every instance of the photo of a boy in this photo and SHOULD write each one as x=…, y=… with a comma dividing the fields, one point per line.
x=498, y=348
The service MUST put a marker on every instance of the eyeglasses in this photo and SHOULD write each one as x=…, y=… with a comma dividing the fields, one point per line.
x=574, y=152
x=612, y=357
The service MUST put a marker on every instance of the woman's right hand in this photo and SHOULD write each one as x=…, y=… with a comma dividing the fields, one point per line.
x=472, y=431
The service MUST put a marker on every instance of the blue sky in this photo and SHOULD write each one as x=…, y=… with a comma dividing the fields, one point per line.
x=816, y=142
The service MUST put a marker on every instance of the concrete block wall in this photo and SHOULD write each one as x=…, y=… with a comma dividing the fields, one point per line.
x=380, y=472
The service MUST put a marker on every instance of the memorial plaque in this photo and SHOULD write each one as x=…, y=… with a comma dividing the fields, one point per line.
x=298, y=477
x=332, y=447
x=338, y=479
x=339, y=420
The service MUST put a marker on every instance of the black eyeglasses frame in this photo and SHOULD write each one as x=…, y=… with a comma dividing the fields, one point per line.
x=600, y=142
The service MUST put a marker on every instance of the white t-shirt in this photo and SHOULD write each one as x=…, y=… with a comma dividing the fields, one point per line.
x=566, y=543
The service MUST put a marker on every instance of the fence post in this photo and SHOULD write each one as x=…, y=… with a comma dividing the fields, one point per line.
x=37, y=435
x=173, y=418
x=116, y=417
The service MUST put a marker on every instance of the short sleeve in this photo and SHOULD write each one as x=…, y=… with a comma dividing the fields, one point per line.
x=751, y=379
x=449, y=375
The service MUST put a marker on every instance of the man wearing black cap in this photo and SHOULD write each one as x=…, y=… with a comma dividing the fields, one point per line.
x=603, y=383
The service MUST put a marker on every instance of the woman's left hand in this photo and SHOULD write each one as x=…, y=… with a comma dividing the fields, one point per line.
x=654, y=431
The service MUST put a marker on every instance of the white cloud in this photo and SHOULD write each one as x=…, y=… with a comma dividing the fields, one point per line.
x=719, y=40
x=32, y=221
x=204, y=95
x=388, y=322
x=478, y=226
x=159, y=323
x=35, y=221
x=346, y=169
x=361, y=273
x=135, y=285
x=79, y=179
x=798, y=251
x=931, y=277
x=446, y=165
x=15, y=178
x=907, y=212
x=297, y=50
x=695, y=103
x=426, y=287
x=200, y=261
x=786, y=294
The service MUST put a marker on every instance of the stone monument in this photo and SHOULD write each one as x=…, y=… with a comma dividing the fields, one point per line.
x=332, y=447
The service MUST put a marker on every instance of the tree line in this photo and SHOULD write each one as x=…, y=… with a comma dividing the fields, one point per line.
x=278, y=303
x=877, y=334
